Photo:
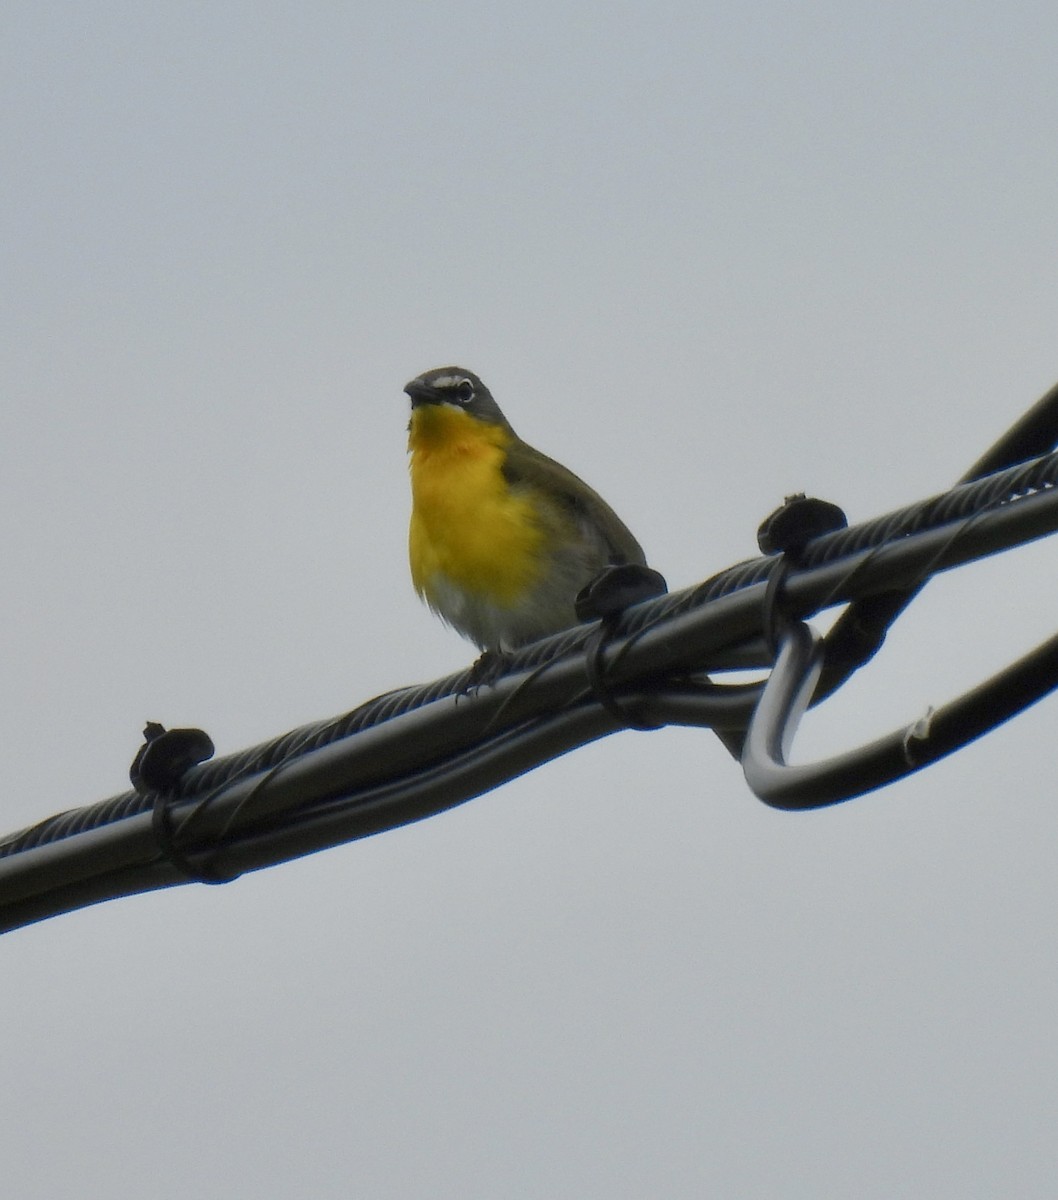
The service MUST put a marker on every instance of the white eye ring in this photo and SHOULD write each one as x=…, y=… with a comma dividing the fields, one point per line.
x=464, y=391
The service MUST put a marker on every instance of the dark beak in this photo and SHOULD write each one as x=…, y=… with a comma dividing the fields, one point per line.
x=420, y=393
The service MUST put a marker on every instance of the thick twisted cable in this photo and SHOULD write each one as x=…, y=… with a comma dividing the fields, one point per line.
x=1005, y=488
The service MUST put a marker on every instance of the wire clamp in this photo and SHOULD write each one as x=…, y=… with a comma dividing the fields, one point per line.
x=166, y=755
x=165, y=836
x=786, y=532
x=164, y=758
x=605, y=598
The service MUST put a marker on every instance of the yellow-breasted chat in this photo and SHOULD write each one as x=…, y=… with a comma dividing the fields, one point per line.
x=502, y=537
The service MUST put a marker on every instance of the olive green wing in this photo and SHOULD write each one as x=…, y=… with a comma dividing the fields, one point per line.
x=526, y=468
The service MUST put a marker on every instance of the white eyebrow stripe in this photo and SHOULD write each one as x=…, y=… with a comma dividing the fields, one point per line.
x=448, y=381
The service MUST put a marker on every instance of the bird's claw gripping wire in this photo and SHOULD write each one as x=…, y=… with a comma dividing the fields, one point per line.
x=603, y=598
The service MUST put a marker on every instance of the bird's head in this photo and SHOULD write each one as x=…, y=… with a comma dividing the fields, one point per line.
x=459, y=389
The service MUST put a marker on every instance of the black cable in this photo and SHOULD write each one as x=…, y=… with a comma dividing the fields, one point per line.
x=856, y=630
x=860, y=631
x=1033, y=435
x=418, y=750
x=939, y=733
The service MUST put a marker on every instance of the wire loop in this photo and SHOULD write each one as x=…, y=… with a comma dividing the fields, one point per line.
x=621, y=710
x=165, y=837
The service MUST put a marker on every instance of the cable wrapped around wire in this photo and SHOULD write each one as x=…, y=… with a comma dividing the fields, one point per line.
x=416, y=751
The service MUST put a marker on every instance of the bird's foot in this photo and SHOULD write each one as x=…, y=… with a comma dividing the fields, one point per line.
x=486, y=670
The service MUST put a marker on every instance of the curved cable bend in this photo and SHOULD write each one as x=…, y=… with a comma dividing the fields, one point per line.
x=940, y=732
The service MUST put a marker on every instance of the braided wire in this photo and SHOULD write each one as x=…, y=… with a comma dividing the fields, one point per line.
x=961, y=502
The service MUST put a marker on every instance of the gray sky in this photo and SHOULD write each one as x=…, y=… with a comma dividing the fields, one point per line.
x=706, y=255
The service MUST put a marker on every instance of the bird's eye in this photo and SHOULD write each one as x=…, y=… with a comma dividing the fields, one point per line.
x=464, y=391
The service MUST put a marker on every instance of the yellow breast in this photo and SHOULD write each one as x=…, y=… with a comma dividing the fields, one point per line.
x=468, y=529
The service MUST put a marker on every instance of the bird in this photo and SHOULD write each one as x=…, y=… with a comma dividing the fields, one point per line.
x=502, y=538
